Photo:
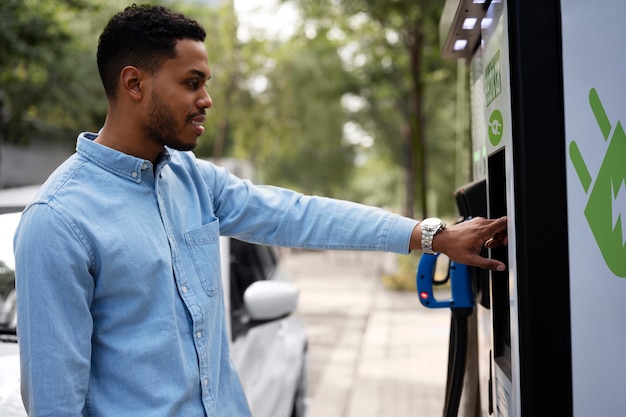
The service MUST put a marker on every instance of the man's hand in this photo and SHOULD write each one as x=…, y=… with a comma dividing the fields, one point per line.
x=462, y=242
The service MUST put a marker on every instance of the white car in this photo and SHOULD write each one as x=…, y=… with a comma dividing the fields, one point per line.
x=269, y=345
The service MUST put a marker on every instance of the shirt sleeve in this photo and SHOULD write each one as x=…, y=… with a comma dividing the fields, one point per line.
x=277, y=216
x=54, y=293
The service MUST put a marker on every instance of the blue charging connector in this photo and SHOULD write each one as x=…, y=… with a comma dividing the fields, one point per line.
x=460, y=284
x=461, y=305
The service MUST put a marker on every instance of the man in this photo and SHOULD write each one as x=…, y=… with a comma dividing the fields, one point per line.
x=117, y=260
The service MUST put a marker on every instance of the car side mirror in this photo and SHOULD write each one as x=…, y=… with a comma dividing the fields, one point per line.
x=270, y=300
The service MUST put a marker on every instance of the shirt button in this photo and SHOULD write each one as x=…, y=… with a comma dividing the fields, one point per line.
x=133, y=174
x=199, y=335
x=184, y=289
x=206, y=382
x=144, y=166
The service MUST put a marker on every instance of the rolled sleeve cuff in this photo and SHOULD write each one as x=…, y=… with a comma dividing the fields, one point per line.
x=400, y=232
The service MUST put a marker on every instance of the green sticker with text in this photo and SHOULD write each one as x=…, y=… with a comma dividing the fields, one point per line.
x=493, y=78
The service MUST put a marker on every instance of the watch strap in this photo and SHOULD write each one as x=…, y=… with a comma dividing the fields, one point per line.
x=429, y=230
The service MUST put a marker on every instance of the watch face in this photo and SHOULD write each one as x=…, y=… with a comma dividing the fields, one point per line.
x=431, y=222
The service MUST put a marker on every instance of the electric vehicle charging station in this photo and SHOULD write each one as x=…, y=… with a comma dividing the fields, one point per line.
x=547, y=93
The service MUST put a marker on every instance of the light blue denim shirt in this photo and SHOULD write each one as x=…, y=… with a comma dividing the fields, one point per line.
x=120, y=304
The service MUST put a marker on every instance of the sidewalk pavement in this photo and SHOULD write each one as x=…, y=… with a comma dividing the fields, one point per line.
x=372, y=352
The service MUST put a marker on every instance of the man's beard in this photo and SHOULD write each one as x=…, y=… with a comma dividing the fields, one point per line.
x=161, y=125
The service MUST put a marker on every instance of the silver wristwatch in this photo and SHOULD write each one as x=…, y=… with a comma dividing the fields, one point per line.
x=430, y=227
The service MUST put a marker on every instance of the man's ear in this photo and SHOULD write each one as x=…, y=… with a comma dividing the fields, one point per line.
x=131, y=78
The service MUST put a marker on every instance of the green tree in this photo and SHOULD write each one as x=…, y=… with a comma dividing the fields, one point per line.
x=276, y=103
x=392, y=50
x=45, y=70
x=301, y=142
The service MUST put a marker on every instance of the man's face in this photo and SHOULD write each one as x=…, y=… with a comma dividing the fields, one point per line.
x=178, y=98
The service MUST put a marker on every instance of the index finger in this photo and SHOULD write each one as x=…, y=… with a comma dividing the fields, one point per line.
x=497, y=226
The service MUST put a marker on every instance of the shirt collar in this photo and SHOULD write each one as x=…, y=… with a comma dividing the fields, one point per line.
x=118, y=163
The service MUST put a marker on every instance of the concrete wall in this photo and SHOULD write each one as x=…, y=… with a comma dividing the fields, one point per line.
x=30, y=165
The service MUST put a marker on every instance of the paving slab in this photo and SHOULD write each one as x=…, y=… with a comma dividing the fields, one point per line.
x=373, y=352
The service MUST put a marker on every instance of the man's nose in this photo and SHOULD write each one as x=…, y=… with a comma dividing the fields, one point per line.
x=205, y=102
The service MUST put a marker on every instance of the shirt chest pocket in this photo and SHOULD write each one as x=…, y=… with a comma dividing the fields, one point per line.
x=204, y=247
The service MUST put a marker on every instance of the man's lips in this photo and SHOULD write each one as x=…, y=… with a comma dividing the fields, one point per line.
x=197, y=122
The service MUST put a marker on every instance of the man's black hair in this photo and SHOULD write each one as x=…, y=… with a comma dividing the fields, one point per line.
x=142, y=36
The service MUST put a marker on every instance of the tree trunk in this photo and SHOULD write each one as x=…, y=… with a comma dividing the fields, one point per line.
x=409, y=173
x=418, y=176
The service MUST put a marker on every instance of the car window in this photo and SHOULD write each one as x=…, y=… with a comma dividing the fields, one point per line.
x=248, y=263
x=8, y=314
x=267, y=261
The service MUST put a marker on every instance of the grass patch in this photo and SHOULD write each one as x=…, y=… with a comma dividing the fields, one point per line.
x=404, y=278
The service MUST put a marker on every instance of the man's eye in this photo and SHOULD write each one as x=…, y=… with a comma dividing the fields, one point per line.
x=193, y=84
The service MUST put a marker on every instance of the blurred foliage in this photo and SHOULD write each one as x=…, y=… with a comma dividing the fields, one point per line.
x=48, y=76
x=284, y=104
x=391, y=49
x=304, y=119
x=404, y=279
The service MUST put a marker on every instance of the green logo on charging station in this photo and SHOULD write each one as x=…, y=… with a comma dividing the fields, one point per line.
x=495, y=127
x=606, y=207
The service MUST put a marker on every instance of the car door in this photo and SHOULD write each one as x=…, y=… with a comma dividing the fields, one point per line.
x=10, y=398
x=270, y=355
